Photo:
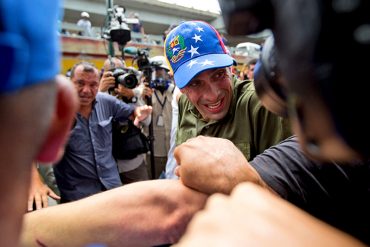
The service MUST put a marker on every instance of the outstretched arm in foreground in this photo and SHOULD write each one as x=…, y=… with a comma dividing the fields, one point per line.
x=140, y=214
x=252, y=216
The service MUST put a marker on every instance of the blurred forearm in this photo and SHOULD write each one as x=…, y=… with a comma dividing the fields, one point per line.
x=140, y=214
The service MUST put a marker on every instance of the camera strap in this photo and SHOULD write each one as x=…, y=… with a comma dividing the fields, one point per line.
x=160, y=121
x=159, y=101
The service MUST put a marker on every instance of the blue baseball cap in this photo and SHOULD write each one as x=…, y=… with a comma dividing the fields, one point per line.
x=193, y=47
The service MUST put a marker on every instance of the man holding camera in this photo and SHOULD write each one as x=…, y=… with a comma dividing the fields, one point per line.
x=132, y=90
x=88, y=166
x=119, y=81
x=163, y=89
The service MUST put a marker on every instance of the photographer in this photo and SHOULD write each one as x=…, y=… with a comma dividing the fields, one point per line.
x=88, y=166
x=122, y=83
x=156, y=74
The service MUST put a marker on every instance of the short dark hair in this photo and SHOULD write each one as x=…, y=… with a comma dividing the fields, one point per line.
x=87, y=67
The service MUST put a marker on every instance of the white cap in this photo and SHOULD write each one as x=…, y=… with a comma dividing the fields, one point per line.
x=161, y=61
x=85, y=14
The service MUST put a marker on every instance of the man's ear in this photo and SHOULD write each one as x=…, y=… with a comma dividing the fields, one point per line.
x=65, y=110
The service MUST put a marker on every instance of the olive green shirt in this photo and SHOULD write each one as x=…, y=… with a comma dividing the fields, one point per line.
x=249, y=125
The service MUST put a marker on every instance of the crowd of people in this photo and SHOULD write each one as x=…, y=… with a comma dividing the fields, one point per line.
x=213, y=136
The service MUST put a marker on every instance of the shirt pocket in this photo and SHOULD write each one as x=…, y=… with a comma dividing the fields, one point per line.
x=106, y=125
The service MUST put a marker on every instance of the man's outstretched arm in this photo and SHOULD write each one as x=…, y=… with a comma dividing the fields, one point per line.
x=140, y=214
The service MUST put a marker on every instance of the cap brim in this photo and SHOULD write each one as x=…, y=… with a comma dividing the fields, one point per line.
x=186, y=72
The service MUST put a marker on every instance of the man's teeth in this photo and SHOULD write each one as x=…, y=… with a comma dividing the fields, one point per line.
x=215, y=105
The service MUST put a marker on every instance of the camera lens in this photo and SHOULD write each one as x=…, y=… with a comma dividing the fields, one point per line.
x=128, y=80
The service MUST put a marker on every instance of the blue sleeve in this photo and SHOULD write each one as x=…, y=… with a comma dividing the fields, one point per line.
x=29, y=43
x=124, y=110
x=116, y=108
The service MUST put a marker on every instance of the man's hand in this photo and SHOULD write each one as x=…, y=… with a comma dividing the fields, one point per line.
x=253, y=217
x=39, y=192
x=107, y=81
x=147, y=91
x=210, y=165
x=141, y=113
x=124, y=91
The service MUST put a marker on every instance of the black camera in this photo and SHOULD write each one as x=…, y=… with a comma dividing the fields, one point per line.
x=142, y=59
x=143, y=63
x=125, y=77
x=116, y=28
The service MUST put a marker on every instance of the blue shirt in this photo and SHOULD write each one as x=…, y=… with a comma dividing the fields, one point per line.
x=88, y=166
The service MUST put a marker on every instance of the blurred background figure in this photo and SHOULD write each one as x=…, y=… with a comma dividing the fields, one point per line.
x=171, y=161
x=138, y=28
x=126, y=87
x=85, y=24
x=172, y=26
x=248, y=69
x=163, y=88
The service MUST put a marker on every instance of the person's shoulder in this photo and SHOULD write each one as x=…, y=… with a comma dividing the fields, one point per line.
x=290, y=142
x=105, y=97
x=246, y=95
x=245, y=89
x=183, y=100
x=246, y=85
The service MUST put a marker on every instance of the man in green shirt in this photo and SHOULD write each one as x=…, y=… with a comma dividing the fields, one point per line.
x=214, y=102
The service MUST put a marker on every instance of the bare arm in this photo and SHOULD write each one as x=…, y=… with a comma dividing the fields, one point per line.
x=140, y=214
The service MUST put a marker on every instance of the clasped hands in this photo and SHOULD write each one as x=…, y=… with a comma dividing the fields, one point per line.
x=251, y=215
x=210, y=165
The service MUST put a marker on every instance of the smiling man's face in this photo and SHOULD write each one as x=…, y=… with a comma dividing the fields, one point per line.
x=211, y=93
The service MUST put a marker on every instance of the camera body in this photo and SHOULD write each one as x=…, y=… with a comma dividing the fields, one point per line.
x=126, y=77
x=142, y=59
x=148, y=67
x=143, y=63
x=116, y=29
